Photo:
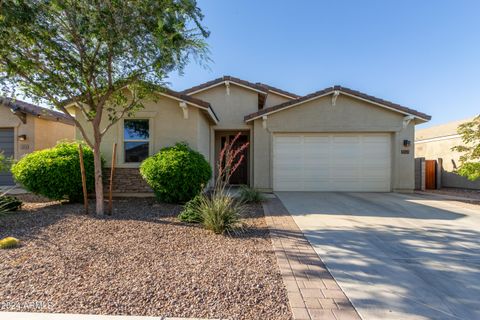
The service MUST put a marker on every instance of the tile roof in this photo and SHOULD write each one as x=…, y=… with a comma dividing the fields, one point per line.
x=48, y=114
x=187, y=98
x=264, y=88
x=281, y=91
x=179, y=95
x=330, y=90
x=221, y=80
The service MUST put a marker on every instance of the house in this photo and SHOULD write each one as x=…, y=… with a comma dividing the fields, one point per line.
x=336, y=139
x=436, y=143
x=25, y=127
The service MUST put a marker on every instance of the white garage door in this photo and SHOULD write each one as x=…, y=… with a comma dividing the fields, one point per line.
x=331, y=162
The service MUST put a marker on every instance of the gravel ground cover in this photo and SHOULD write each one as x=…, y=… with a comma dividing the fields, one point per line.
x=140, y=261
x=473, y=195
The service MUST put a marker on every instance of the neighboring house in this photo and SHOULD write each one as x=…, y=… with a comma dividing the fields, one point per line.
x=436, y=143
x=25, y=127
x=335, y=139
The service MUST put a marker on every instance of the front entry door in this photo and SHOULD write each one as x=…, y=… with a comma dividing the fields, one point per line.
x=240, y=176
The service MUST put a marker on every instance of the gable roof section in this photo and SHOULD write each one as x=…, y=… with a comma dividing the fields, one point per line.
x=34, y=110
x=216, y=82
x=278, y=91
x=258, y=87
x=342, y=90
x=203, y=105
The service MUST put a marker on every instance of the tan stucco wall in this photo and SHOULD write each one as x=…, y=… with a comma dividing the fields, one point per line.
x=440, y=149
x=440, y=130
x=9, y=120
x=41, y=133
x=348, y=115
x=203, y=136
x=436, y=143
x=444, y=137
x=274, y=99
x=167, y=127
x=230, y=109
x=48, y=133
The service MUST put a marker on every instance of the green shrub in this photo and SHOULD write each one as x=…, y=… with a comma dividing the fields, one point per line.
x=55, y=173
x=190, y=212
x=9, y=203
x=221, y=213
x=176, y=174
x=4, y=162
x=251, y=195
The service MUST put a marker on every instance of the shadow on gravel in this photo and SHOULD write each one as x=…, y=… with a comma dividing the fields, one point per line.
x=40, y=213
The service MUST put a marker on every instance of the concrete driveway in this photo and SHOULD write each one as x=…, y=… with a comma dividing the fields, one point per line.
x=396, y=256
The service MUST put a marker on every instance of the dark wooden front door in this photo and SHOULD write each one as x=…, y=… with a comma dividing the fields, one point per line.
x=430, y=174
x=240, y=176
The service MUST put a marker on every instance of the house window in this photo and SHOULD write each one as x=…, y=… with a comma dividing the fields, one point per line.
x=136, y=139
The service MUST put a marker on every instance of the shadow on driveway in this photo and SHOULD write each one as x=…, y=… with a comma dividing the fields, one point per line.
x=396, y=256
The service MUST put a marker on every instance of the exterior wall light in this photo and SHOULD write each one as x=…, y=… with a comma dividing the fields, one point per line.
x=22, y=137
x=407, y=143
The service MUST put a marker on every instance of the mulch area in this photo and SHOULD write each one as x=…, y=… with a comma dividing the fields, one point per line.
x=140, y=261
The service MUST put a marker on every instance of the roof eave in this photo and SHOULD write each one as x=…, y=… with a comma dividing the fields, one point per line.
x=328, y=91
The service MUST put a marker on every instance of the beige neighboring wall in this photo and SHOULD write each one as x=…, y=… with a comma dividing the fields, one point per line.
x=348, y=115
x=40, y=133
x=9, y=120
x=48, y=133
x=437, y=142
x=167, y=127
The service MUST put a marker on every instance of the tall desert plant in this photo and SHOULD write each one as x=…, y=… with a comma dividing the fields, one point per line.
x=219, y=211
x=229, y=160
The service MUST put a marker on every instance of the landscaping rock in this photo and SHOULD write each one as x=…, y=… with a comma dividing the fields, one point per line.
x=140, y=261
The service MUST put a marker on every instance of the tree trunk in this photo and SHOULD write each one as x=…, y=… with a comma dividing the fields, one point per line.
x=97, y=161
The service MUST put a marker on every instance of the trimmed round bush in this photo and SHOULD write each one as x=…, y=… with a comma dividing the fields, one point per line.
x=55, y=173
x=176, y=174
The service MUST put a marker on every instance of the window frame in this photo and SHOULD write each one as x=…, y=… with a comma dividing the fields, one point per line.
x=124, y=141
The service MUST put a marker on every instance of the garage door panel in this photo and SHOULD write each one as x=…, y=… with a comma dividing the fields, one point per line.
x=332, y=162
x=7, y=144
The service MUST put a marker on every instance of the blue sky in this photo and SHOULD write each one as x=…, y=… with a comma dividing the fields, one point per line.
x=423, y=54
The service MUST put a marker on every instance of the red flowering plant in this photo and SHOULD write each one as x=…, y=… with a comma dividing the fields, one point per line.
x=220, y=212
x=229, y=160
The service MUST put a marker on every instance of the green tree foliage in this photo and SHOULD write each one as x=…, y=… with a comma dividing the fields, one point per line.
x=470, y=160
x=55, y=173
x=3, y=162
x=176, y=174
x=99, y=57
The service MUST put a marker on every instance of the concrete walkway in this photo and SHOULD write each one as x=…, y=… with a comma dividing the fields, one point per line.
x=396, y=256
